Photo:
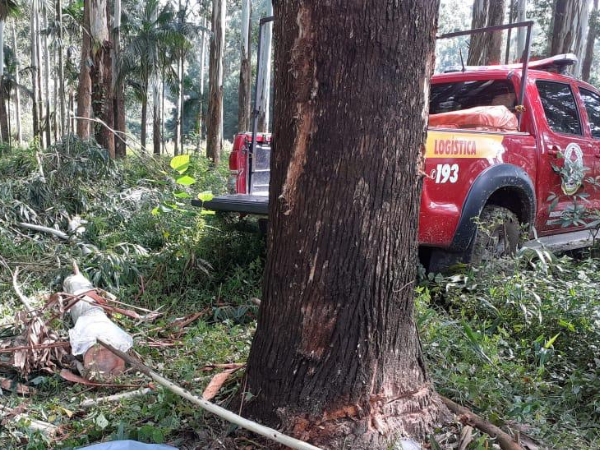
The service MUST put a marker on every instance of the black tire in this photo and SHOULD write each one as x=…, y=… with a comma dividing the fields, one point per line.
x=497, y=235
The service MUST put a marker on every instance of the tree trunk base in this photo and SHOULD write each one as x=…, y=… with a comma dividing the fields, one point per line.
x=413, y=415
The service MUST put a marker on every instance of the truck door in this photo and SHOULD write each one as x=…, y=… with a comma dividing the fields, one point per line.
x=562, y=133
x=591, y=103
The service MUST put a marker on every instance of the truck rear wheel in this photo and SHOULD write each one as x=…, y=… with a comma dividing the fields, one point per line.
x=497, y=234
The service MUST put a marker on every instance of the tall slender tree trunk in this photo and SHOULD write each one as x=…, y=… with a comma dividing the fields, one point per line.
x=591, y=40
x=486, y=48
x=39, y=74
x=336, y=358
x=245, y=71
x=98, y=76
x=47, y=79
x=3, y=111
x=214, y=140
x=264, y=90
x=61, y=70
x=34, y=70
x=156, y=138
x=494, y=40
x=582, y=35
x=201, y=90
x=162, y=113
x=521, y=17
x=118, y=88
x=84, y=90
x=567, y=16
x=178, y=106
x=478, y=41
x=17, y=89
x=144, y=123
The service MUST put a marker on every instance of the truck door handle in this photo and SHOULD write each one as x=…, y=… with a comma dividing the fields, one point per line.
x=554, y=150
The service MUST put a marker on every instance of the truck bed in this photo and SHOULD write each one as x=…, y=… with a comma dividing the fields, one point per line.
x=239, y=203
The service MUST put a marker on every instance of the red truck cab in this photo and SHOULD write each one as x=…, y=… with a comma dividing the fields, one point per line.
x=485, y=155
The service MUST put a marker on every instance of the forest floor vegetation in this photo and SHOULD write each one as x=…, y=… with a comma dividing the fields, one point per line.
x=516, y=342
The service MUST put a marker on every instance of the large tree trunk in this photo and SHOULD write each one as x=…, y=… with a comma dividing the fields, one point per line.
x=586, y=66
x=264, y=88
x=214, y=139
x=245, y=71
x=118, y=88
x=336, y=358
x=17, y=90
x=486, y=48
x=567, y=17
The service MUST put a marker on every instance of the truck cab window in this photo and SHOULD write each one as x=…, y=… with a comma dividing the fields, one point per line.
x=456, y=96
x=559, y=106
x=592, y=106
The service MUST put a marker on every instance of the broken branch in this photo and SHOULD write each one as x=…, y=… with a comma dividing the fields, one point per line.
x=114, y=398
x=505, y=440
x=59, y=234
x=267, y=432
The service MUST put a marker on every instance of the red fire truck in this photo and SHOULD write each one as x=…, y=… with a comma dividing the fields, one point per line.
x=498, y=137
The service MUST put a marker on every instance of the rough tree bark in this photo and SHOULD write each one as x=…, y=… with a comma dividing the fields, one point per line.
x=214, y=139
x=567, y=17
x=245, y=69
x=486, y=48
x=177, y=143
x=264, y=89
x=586, y=66
x=95, y=78
x=156, y=115
x=336, y=358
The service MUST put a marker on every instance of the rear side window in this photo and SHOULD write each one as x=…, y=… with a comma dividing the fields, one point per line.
x=447, y=97
x=559, y=106
x=592, y=106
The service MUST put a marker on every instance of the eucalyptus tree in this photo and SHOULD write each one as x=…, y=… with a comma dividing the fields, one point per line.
x=214, y=140
x=149, y=54
x=8, y=8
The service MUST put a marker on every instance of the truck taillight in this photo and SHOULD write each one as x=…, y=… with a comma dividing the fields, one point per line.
x=236, y=184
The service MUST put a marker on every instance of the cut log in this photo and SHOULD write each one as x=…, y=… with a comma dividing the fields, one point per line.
x=91, y=322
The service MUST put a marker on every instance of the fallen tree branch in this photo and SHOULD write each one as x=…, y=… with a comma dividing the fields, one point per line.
x=505, y=440
x=267, y=432
x=88, y=403
x=57, y=233
x=36, y=425
x=24, y=299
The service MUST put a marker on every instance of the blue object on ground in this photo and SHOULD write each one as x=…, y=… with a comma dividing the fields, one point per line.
x=127, y=445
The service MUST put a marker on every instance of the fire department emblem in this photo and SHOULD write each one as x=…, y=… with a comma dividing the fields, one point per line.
x=573, y=171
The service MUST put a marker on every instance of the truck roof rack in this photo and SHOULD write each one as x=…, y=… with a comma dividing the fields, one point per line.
x=524, y=65
x=557, y=63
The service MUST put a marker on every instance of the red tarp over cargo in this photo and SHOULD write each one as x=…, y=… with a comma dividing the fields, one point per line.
x=482, y=118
